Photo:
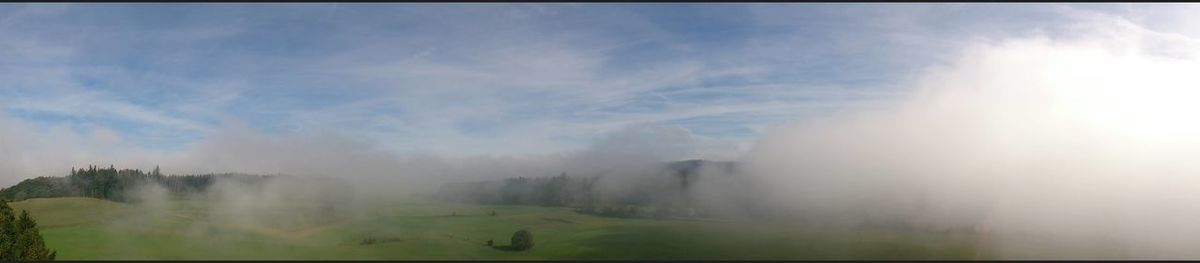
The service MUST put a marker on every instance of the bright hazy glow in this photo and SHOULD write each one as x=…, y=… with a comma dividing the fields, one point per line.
x=1074, y=148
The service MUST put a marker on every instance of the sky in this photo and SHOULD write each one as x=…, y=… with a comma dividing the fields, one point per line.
x=1047, y=125
x=103, y=83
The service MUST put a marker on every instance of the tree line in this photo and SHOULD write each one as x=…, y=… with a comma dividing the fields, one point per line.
x=116, y=185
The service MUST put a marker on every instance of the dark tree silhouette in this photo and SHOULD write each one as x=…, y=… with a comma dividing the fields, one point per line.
x=522, y=240
x=19, y=237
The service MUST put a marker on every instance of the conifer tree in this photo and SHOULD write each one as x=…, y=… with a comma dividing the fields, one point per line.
x=19, y=237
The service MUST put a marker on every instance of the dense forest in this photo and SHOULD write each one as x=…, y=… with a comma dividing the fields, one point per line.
x=117, y=185
x=673, y=190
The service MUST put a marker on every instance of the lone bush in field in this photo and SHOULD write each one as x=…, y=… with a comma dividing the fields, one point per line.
x=19, y=237
x=522, y=240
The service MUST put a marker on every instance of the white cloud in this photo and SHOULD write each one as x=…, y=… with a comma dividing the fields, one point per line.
x=1059, y=145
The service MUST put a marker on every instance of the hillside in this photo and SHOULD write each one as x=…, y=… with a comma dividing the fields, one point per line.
x=67, y=211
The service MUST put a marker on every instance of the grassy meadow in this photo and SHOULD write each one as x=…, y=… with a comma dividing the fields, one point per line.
x=86, y=228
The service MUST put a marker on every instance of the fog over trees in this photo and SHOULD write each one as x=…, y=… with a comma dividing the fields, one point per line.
x=683, y=188
x=117, y=185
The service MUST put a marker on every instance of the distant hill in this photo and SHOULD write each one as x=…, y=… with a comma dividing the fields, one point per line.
x=669, y=187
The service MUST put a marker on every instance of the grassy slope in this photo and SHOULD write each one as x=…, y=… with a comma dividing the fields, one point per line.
x=66, y=211
x=82, y=228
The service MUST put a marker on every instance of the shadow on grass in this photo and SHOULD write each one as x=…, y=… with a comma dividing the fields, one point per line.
x=506, y=248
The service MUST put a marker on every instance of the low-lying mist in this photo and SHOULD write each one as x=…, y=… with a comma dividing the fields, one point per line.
x=1072, y=148
x=1046, y=147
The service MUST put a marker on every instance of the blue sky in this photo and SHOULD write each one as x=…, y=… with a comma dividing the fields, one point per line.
x=1022, y=112
x=493, y=79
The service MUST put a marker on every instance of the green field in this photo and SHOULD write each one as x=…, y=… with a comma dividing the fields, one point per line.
x=85, y=228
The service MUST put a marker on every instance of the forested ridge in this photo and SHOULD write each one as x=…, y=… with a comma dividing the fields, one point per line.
x=116, y=185
x=671, y=190
x=668, y=191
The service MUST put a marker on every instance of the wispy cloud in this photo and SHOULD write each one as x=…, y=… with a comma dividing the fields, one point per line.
x=485, y=79
x=95, y=106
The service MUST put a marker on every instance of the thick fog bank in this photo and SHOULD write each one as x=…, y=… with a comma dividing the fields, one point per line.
x=1086, y=145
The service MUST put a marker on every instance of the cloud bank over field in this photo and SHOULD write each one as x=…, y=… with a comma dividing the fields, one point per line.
x=1068, y=125
x=370, y=167
x=1078, y=146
